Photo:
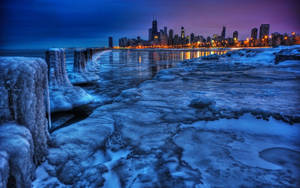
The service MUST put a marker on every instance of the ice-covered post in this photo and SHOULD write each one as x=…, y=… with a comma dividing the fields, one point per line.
x=90, y=53
x=57, y=74
x=24, y=97
x=80, y=60
x=64, y=96
x=23, y=121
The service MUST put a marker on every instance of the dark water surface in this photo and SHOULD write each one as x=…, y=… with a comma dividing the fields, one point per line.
x=124, y=69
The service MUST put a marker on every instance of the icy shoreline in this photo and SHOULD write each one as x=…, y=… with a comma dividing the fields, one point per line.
x=189, y=127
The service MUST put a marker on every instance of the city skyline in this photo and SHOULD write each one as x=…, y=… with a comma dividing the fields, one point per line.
x=45, y=23
x=165, y=37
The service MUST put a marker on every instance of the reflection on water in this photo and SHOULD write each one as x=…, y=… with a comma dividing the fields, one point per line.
x=124, y=69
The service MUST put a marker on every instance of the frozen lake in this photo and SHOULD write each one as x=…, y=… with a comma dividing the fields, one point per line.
x=124, y=69
x=168, y=119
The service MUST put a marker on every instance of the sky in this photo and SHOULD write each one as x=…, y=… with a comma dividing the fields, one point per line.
x=32, y=24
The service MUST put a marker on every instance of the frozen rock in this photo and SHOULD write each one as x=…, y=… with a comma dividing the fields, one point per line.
x=129, y=96
x=64, y=96
x=243, y=53
x=202, y=102
x=68, y=98
x=17, y=150
x=211, y=57
x=24, y=98
x=165, y=75
x=285, y=157
x=81, y=78
x=81, y=164
x=287, y=54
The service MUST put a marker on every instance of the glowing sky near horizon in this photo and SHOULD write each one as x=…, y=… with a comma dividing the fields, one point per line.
x=74, y=23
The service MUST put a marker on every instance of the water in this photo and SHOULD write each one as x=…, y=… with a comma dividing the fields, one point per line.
x=118, y=70
x=124, y=69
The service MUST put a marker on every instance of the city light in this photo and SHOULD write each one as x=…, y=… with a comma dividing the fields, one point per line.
x=164, y=39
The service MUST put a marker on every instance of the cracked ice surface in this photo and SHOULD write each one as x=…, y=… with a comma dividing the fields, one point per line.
x=190, y=126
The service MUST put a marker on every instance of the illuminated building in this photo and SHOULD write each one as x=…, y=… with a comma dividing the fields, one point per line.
x=264, y=30
x=176, y=40
x=155, y=33
x=170, y=41
x=276, y=39
x=192, y=38
x=254, y=33
x=208, y=39
x=123, y=42
x=166, y=31
x=154, y=26
x=235, y=35
x=165, y=38
x=223, y=33
x=182, y=33
x=150, y=36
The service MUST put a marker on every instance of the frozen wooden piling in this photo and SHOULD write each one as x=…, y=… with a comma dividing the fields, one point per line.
x=55, y=58
x=23, y=120
x=63, y=95
x=80, y=60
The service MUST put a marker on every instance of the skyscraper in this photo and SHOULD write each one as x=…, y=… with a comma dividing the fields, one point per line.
x=208, y=39
x=254, y=33
x=155, y=34
x=171, y=33
x=166, y=31
x=235, y=35
x=264, y=30
x=170, y=38
x=192, y=38
x=223, y=33
x=163, y=38
x=110, y=42
x=182, y=33
x=150, y=37
x=154, y=26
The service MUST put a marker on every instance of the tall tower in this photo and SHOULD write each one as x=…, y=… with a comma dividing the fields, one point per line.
x=110, y=42
x=192, y=37
x=166, y=31
x=182, y=33
x=171, y=33
x=223, y=33
x=154, y=26
x=150, y=36
x=264, y=30
x=254, y=33
x=170, y=40
x=155, y=34
x=235, y=35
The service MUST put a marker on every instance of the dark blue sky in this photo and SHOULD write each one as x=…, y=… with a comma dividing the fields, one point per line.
x=80, y=23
